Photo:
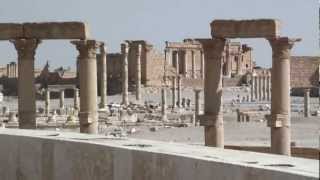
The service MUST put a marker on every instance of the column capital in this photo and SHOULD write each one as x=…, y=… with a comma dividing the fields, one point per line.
x=124, y=48
x=281, y=46
x=26, y=48
x=87, y=48
x=213, y=48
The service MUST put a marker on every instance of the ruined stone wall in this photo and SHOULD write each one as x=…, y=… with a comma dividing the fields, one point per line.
x=155, y=67
x=304, y=71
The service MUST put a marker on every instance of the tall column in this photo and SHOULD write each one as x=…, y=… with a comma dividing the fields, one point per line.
x=8, y=70
x=47, y=102
x=76, y=103
x=179, y=92
x=61, y=99
x=268, y=86
x=280, y=99
x=252, y=86
x=138, y=74
x=197, y=103
x=174, y=87
x=164, y=104
x=103, y=76
x=202, y=65
x=193, y=64
x=26, y=49
x=88, y=115
x=177, y=63
x=306, y=102
x=185, y=63
x=256, y=87
x=260, y=87
x=125, y=93
x=213, y=117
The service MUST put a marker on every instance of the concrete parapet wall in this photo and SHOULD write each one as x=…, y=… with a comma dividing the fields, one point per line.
x=35, y=155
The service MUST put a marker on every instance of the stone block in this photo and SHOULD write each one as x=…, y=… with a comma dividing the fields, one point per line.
x=56, y=30
x=10, y=31
x=260, y=28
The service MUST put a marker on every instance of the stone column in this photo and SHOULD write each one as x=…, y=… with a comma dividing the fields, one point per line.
x=197, y=104
x=138, y=74
x=193, y=64
x=177, y=63
x=213, y=117
x=164, y=104
x=252, y=86
x=88, y=115
x=8, y=70
x=125, y=93
x=256, y=87
x=264, y=86
x=47, y=102
x=185, y=64
x=103, y=76
x=268, y=87
x=306, y=102
x=280, y=100
x=26, y=49
x=61, y=99
x=174, y=87
x=202, y=65
x=76, y=103
x=179, y=92
x=259, y=87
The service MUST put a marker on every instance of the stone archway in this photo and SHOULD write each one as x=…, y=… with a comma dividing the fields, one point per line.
x=279, y=120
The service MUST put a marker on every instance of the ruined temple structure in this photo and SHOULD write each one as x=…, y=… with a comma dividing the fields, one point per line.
x=188, y=59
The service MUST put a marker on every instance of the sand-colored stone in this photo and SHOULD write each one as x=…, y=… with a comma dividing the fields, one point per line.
x=10, y=31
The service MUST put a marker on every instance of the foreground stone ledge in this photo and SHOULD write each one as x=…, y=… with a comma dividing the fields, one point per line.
x=55, y=155
x=10, y=31
x=56, y=30
x=260, y=28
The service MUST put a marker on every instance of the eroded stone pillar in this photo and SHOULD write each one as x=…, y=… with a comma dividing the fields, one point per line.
x=138, y=74
x=193, y=54
x=76, y=103
x=252, y=87
x=306, y=102
x=26, y=49
x=280, y=99
x=177, y=63
x=259, y=87
x=125, y=93
x=88, y=115
x=202, y=65
x=213, y=117
x=185, y=64
x=179, y=93
x=268, y=86
x=164, y=104
x=197, y=104
x=47, y=102
x=103, y=76
x=264, y=86
x=255, y=78
x=61, y=99
x=174, y=87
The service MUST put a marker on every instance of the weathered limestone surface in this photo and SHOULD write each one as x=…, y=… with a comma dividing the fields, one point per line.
x=245, y=28
x=56, y=30
x=40, y=155
x=10, y=31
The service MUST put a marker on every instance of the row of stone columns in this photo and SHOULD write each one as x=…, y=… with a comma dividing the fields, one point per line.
x=261, y=87
x=169, y=53
x=12, y=70
x=279, y=121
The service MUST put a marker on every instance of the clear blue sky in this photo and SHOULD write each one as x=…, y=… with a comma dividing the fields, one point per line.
x=156, y=21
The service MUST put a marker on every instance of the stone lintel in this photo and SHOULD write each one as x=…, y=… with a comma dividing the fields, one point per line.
x=259, y=28
x=11, y=31
x=56, y=30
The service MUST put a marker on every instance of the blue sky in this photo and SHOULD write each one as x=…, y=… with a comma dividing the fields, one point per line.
x=157, y=21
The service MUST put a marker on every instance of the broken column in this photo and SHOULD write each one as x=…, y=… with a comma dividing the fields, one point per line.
x=88, y=115
x=103, y=76
x=307, y=102
x=280, y=102
x=26, y=49
x=61, y=99
x=47, y=102
x=213, y=117
x=76, y=99
x=164, y=104
x=179, y=92
x=174, y=87
x=197, y=104
x=125, y=93
x=138, y=74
